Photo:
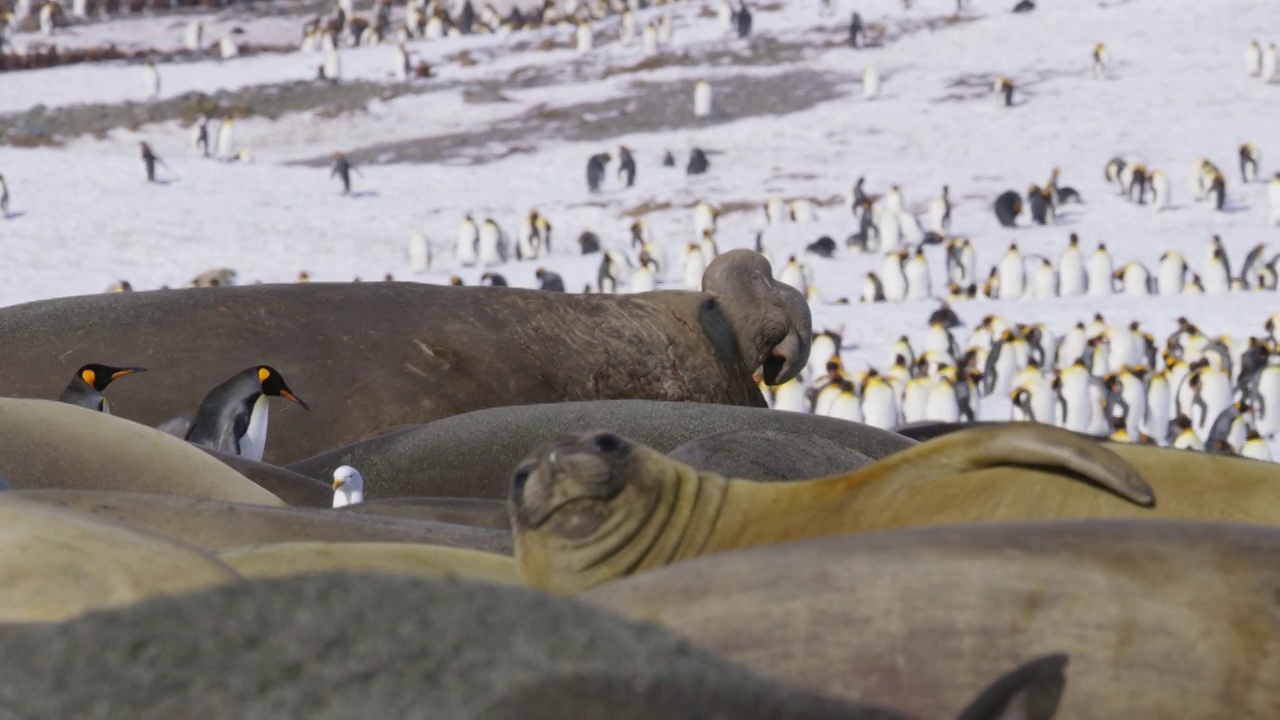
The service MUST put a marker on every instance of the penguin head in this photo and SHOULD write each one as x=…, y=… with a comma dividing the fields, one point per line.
x=273, y=384
x=99, y=377
x=455, y=281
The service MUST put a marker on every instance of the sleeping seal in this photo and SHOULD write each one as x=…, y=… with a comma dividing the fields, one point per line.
x=373, y=356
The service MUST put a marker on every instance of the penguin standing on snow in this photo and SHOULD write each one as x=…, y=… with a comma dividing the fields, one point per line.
x=1159, y=183
x=1137, y=183
x=626, y=165
x=1253, y=58
x=698, y=162
x=1007, y=208
x=1218, y=190
x=85, y=389
x=1273, y=200
x=342, y=169
x=4, y=198
x=940, y=211
x=1041, y=208
x=1099, y=60
x=232, y=418
x=855, y=31
x=150, y=81
x=1072, y=279
x=870, y=81
x=702, y=99
x=1004, y=86
x=467, y=242
x=743, y=20
x=1248, y=163
x=149, y=160
x=200, y=138
x=595, y=171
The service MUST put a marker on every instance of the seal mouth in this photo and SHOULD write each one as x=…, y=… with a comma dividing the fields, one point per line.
x=773, y=368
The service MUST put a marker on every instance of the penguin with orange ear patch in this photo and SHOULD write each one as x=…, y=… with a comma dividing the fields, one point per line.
x=85, y=389
x=233, y=417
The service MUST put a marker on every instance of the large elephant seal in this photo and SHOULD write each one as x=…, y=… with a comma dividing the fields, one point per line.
x=47, y=444
x=471, y=455
x=215, y=525
x=1161, y=619
x=295, y=558
x=339, y=645
x=373, y=356
x=595, y=506
x=768, y=455
x=55, y=564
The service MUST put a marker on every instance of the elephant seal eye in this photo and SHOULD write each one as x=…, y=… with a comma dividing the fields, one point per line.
x=606, y=442
x=519, y=480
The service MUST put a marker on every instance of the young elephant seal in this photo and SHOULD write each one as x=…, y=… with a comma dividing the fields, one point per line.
x=595, y=506
x=373, y=356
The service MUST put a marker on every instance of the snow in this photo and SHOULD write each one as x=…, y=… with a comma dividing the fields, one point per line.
x=1177, y=89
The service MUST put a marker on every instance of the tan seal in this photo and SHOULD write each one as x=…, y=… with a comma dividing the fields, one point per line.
x=295, y=558
x=595, y=506
x=46, y=444
x=56, y=564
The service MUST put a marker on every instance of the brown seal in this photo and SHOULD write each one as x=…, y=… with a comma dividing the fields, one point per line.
x=1161, y=619
x=373, y=356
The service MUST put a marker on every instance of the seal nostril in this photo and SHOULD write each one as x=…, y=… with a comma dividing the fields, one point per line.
x=606, y=442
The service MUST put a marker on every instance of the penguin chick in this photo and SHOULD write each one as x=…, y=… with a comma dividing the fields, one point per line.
x=698, y=162
x=232, y=418
x=85, y=389
x=348, y=487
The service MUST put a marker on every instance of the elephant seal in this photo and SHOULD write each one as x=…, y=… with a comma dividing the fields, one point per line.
x=594, y=506
x=370, y=357
x=55, y=564
x=291, y=487
x=295, y=558
x=1160, y=618
x=471, y=455
x=47, y=444
x=215, y=525
x=339, y=645
x=455, y=511
x=768, y=455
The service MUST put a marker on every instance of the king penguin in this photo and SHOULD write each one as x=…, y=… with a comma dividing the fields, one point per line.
x=233, y=417
x=1273, y=200
x=150, y=81
x=85, y=389
x=1012, y=274
x=702, y=99
x=916, y=274
x=1159, y=190
x=467, y=243
x=1100, y=272
x=1253, y=58
x=348, y=486
x=870, y=82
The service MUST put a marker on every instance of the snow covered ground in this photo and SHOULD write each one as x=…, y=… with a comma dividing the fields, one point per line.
x=83, y=216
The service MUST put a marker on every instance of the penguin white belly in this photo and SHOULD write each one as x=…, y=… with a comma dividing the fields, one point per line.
x=915, y=402
x=1044, y=283
x=702, y=99
x=1078, y=410
x=1257, y=449
x=627, y=28
x=917, y=278
x=879, y=407
x=846, y=407
x=642, y=280
x=1215, y=392
x=226, y=141
x=789, y=396
x=870, y=289
x=1013, y=279
x=942, y=404
x=1071, y=276
x=254, y=442
x=802, y=211
x=419, y=253
x=1238, y=434
x=1188, y=440
x=774, y=211
x=909, y=229
x=792, y=275
x=1098, y=421
x=693, y=270
x=1135, y=280
x=490, y=245
x=937, y=215
x=827, y=396
x=1135, y=396
x=1099, y=276
x=870, y=82
x=889, y=232
x=649, y=40
x=821, y=350
x=1171, y=278
x=585, y=39
x=1270, y=65
x=1122, y=353
x=1160, y=191
x=1159, y=409
x=894, y=283
x=1043, y=402
x=1273, y=197
x=464, y=251
x=703, y=219
x=1216, y=279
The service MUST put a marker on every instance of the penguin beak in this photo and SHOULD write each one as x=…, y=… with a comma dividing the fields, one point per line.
x=290, y=396
x=126, y=371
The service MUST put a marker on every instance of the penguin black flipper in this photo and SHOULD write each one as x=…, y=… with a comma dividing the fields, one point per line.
x=236, y=410
x=1250, y=259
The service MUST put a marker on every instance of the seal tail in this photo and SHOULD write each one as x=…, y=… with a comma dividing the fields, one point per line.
x=1030, y=692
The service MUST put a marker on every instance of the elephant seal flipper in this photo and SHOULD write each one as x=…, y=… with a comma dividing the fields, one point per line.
x=1022, y=444
x=1031, y=692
